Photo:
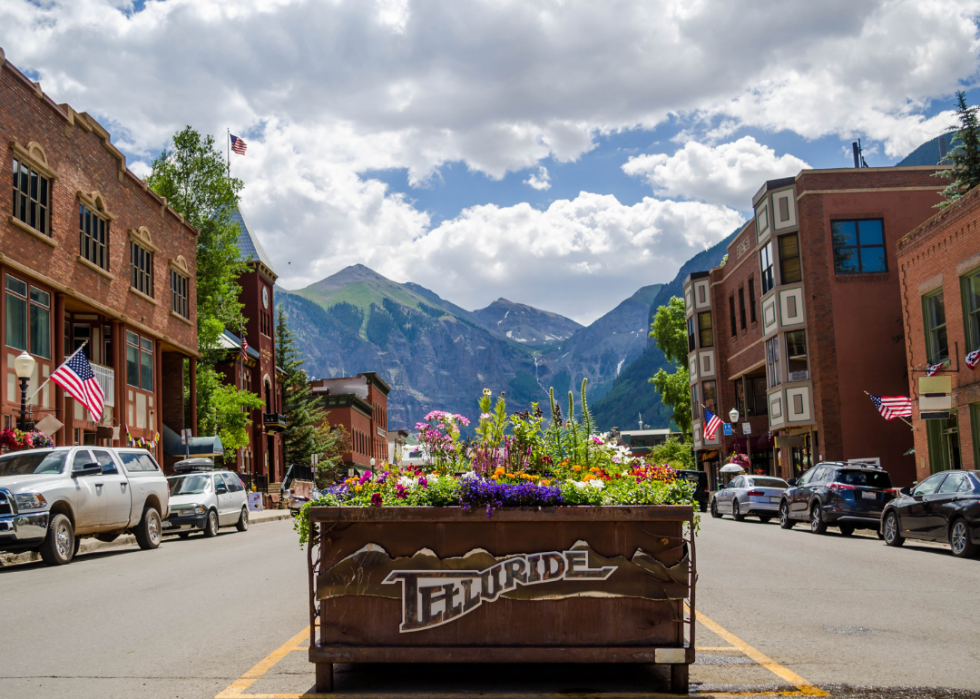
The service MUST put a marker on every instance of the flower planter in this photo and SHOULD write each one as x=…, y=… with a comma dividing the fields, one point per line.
x=612, y=584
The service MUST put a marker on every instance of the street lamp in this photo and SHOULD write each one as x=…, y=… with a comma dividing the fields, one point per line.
x=24, y=368
x=733, y=414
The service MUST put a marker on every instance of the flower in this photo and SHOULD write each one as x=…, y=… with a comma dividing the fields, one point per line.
x=487, y=392
x=358, y=488
x=423, y=482
x=365, y=477
x=485, y=416
x=376, y=500
x=400, y=492
x=576, y=468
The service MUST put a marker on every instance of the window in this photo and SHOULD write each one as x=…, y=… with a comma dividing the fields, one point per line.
x=772, y=361
x=757, y=396
x=740, y=397
x=28, y=318
x=796, y=355
x=790, y=270
x=752, y=299
x=695, y=400
x=954, y=483
x=141, y=261
x=975, y=429
x=731, y=313
x=930, y=484
x=178, y=289
x=704, y=330
x=741, y=306
x=765, y=260
x=134, y=461
x=139, y=361
x=105, y=461
x=934, y=313
x=710, y=396
x=971, y=310
x=81, y=333
x=690, y=334
x=859, y=246
x=92, y=237
x=937, y=444
x=31, y=197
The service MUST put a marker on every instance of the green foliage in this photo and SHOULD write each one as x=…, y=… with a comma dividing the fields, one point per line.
x=673, y=453
x=964, y=156
x=380, y=325
x=669, y=330
x=432, y=311
x=233, y=414
x=348, y=315
x=675, y=392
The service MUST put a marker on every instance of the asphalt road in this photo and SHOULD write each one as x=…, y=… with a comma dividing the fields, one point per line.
x=192, y=617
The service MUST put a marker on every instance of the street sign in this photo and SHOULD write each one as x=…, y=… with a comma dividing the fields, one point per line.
x=746, y=428
x=728, y=428
x=185, y=436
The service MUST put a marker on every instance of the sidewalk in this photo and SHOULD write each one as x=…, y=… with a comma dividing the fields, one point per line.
x=90, y=544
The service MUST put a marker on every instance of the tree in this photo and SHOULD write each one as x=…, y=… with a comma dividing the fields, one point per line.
x=192, y=175
x=675, y=454
x=964, y=156
x=669, y=330
x=308, y=433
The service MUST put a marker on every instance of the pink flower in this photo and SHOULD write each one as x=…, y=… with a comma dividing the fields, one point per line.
x=485, y=416
x=364, y=478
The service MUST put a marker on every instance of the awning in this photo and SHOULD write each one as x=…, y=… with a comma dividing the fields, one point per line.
x=199, y=446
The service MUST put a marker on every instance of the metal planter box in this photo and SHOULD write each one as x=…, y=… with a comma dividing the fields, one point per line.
x=551, y=585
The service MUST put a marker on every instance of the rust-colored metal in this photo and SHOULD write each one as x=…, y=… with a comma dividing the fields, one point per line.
x=566, y=584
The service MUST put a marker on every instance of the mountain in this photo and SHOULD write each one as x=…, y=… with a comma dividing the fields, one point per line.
x=631, y=393
x=525, y=324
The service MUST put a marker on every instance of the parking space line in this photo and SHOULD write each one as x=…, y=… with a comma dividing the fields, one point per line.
x=237, y=688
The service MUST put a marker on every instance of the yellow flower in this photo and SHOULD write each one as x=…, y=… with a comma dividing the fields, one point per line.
x=576, y=467
x=594, y=469
x=546, y=482
x=499, y=470
x=534, y=478
x=588, y=478
x=358, y=488
x=495, y=476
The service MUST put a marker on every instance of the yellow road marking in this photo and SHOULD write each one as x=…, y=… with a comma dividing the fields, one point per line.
x=805, y=688
x=236, y=689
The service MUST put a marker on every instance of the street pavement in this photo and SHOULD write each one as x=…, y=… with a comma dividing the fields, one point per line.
x=780, y=612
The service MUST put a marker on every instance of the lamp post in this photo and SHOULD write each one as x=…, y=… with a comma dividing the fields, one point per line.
x=733, y=414
x=24, y=368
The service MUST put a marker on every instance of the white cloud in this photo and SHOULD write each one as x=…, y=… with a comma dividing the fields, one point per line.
x=728, y=174
x=540, y=181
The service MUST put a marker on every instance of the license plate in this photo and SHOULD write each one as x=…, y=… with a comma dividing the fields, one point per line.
x=773, y=498
x=869, y=495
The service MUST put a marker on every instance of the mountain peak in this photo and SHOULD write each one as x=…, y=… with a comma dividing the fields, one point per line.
x=525, y=324
x=349, y=275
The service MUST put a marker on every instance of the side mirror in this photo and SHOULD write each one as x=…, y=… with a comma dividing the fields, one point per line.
x=791, y=482
x=89, y=469
x=905, y=491
x=221, y=488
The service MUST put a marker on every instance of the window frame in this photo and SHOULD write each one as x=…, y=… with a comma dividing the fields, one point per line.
x=789, y=356
x=784, y=278
x=33, y=307
x=773, y=369
x=752, y=312
x=971, y=316
x=714, y=395
x=34, y=188
x=766, y=265
x=709, y=329
x=180, y=302
x=934, y=353
x=141, y=353
x=141, y=279
x=731, y=313
x=87, y=244
x=691, y=335
x=858, y=246
x=741, y=307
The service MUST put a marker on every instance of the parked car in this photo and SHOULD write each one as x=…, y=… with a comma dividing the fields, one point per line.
x=203, y=498
x=749, y=495
x=52, y=498
x=700, y=481
x=837, y=494
x=944, y=507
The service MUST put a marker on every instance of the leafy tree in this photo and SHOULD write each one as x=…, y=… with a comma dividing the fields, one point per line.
x=674, y=453
x=669, y=330
x=964, y=156
x=232, y=413
x=308, y=433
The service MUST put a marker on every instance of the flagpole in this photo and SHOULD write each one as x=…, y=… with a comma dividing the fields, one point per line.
x=80, y=348
x=228, y=146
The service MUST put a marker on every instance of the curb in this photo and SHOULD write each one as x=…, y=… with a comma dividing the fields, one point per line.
x=91, y=544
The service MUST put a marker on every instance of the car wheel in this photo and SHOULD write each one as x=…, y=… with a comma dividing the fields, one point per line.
x=704, y=506
x=959, y=540
x=59, y=543
x=817, y=525
x=150, y=530
x=784, y=521
x=736, y=515
x=846, y=529
x=714, y=509
x=764, y=519
x=881, y=534
x=211, y=527
x=892, y=533
x=242, y=525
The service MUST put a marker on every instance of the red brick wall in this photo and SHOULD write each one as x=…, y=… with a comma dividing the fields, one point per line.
x=355, y=423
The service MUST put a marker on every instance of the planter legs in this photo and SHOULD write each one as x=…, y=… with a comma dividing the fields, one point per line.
x=324, y=678
x=678, y=679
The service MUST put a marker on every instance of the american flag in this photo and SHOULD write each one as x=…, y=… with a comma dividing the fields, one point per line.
x=77, y=378
x=711, y=424
x=973, y=358
x=238, y=145
x=892, y=407
x=933, y=369
x=244, y=348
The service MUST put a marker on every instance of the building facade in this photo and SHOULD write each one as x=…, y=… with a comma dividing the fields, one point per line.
x=360, y=405
x=804, y=318
x=262, y=461
x=90, y=258
x=939, y=264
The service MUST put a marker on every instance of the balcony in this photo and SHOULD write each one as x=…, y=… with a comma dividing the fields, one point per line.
x=106, y=378
x=274, y=422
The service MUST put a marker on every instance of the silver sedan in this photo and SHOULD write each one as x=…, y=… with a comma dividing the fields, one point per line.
x=749, y=495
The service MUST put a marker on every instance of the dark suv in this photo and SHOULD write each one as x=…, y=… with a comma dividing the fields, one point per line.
x=843, y=495
x=699, y=479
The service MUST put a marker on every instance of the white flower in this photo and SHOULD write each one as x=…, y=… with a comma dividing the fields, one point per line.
x=407, y=482
x=580, y=485
x=597, y=484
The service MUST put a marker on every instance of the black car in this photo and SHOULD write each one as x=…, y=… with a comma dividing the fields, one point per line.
x=944, y=507
x=838, y=494
x=699, y=479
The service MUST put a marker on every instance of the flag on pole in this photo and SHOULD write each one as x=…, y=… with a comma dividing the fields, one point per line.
x=973, y=358
x=892, y=407
x=244, y=348
x=238, y=145
x=934, y=369
x=78, y=380
x=711, y=424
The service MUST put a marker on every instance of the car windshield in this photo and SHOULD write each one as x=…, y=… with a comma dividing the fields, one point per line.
x=25, y=463
x=769, y=483
x=190, y=485
x=871, y=479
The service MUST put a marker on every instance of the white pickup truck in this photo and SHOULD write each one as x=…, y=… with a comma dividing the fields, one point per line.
x=51, y=498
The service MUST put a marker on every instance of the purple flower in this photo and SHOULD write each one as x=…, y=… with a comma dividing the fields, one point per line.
x=493, y=495
x=423, y=481
x=376, y=500
x=364, y=478
x=399, y=492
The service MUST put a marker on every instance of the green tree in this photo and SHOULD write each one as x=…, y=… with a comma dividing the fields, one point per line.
x=673, y=453
x=233, y=411
x=964, y=156
x=669, y=330
x=308, y=432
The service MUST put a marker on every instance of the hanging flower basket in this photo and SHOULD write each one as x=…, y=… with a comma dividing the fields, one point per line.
x=18, y=440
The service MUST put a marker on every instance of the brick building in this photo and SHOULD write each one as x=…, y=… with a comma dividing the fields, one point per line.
x=262, y=462
x=804, y=317
x=90, y=256
x=360, y=404
x=939, y=266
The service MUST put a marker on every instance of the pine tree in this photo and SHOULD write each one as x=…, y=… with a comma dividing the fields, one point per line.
x=307, y=433
x=964, y=156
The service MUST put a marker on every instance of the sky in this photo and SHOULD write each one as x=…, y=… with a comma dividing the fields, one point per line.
x=558, y=153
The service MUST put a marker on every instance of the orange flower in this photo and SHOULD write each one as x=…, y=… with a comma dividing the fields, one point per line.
x=546, y=482
x=594, y=469
x=588, y=478
x=576, y=467
x=358, y=488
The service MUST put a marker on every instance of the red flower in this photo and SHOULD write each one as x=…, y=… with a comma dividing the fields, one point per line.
x=376, y=500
